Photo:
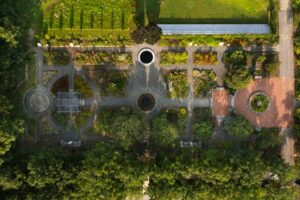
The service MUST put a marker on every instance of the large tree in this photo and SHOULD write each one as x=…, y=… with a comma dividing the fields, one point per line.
x=238, y=126
x=109, y=173
x=237, y=77
x=128, y=129
x=163, y=132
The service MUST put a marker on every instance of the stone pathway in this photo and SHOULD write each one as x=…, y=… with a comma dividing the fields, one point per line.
x=142, y=79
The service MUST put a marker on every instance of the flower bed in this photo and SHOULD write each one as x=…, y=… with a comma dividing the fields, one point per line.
x=205, y=58
x=259, y=102
x=173, y=58
x=103, y=58
x=82, y=87
x=111, y=83
x=177, y=84
x=204, y=81
x=57, y=57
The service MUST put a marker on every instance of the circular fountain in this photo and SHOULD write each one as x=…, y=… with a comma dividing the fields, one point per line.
x=146, y=56
x=146, y=102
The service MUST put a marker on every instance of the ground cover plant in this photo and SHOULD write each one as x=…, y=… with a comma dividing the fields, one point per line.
x=204, y=82
x=170, y=58
x=205, y=58
x=177, y=84
x=111, y=83
x=56, y=57
x=103, y=58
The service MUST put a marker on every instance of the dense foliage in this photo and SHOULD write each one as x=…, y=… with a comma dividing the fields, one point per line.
x=125, y=126
x=177, y=82
x=106, y=172
x=238, y=126
x=150, y=34
x=170, y=58
x=103, y=58
x=205, y=58
x=52, y=57
x=259, y=103
x=204, y=82
x=237, y=77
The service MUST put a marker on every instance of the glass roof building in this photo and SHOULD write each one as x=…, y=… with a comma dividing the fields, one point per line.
x=209, y=29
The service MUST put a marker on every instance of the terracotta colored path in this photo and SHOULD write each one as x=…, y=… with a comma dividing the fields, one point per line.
x=280, y=91
x=220, y=102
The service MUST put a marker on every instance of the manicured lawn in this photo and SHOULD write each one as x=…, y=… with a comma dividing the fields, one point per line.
x=104, y=14
x=209, y=11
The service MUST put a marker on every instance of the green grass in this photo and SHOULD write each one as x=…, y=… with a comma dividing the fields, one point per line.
x=98, y=14
x=207, y=11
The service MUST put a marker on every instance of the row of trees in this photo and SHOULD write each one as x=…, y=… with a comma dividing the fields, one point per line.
x=14, y=55
x=106, y=172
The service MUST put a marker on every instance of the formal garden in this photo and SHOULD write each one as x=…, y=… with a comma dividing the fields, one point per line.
x=137, y=113
x=125, y=22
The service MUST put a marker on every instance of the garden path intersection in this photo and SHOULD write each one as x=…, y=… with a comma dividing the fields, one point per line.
x=142, y=79
x=150, y=79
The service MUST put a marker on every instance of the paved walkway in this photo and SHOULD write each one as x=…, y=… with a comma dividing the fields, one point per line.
x=286, y=56
x=142, y=79
x=280, y=113
x=286, y=47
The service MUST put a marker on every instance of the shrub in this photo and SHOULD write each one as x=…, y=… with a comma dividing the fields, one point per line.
x=169, y=58
x=153, y=33
x=237, y=77
x=83, y=87
x=203, y=130
x=271, y=69
x=235, y=58
x=111, y=83
x=163, y=132
x=138, y=35
x=205, y=58
x=238, y=126
x=259, y=103
x=59, y=57
x=149, y=34
x=100, y=58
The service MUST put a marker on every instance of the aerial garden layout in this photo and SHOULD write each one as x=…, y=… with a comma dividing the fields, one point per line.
x=115, y=108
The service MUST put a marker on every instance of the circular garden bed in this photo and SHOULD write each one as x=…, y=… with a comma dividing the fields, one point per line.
x=259, y=102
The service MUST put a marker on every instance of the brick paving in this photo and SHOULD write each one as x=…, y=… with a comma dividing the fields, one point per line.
x=280, y=113
x=220, y=102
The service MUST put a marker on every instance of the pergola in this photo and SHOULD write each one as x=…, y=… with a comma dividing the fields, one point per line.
x=68, y=102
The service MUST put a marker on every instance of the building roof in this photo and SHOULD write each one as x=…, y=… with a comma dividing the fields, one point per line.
x=208, y=29
x=68, y=102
